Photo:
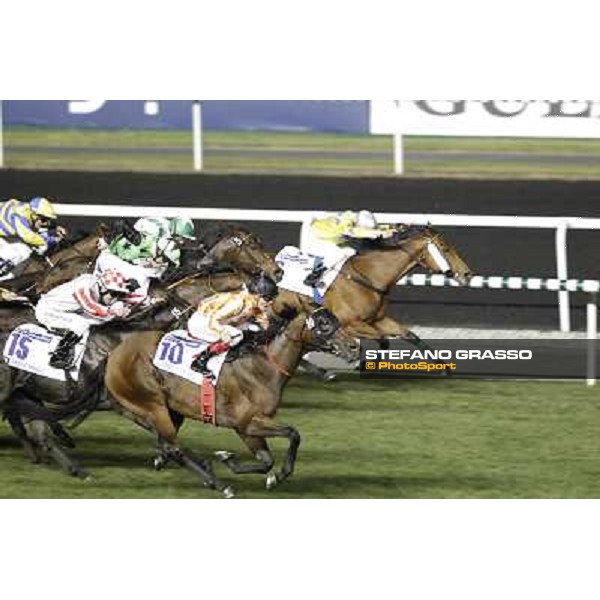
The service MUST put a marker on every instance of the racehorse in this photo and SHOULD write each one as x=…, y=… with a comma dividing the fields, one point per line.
x=247, y=396
x=39, y=274
x=45, y=401
x=223, y=245
x=358, y=296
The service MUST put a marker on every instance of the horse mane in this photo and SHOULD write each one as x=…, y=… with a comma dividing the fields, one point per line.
x=403, y=234
x=193, y=268
x=255, y=341
x=209, y=236
x=213, y=232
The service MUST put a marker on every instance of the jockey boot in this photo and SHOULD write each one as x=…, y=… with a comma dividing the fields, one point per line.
x=200, y=362
x=64, y=355
x=313, y=278
x=6, y=266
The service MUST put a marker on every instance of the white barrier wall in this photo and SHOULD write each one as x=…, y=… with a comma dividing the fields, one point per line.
x=500, y=118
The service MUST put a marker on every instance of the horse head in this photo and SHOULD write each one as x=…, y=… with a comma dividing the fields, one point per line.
x=324, y=334
x=239, y=248
x=440, y=256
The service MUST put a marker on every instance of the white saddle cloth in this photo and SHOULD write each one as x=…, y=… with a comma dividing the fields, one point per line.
x=297, y=265
x=177, y=350
x=29, y=348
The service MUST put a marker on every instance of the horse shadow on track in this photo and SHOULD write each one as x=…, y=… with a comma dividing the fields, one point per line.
x=374, y=486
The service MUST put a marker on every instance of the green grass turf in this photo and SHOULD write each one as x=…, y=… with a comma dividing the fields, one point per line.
x=39, y=148
x=362, y=439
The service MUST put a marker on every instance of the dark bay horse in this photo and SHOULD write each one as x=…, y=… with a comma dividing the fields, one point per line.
x=39, y=274
x=248, y=394
x=358, y=296
x=44, y=402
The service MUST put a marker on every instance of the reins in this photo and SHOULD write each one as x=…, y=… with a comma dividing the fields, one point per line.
x=274, y=361
x=363, y=280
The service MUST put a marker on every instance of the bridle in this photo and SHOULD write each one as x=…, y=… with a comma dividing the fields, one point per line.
x=273, y=359
x=363, y=280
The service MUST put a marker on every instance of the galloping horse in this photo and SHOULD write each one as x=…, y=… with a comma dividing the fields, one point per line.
x=44, y=402
x=358, y=296
x=39, y=274
x=226, y=246
x=248, y=394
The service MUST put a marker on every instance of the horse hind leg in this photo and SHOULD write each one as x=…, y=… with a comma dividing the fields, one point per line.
x=158, y=420
x=46, y=439
x=32, y=451
x=162, y=459
x=201, y=467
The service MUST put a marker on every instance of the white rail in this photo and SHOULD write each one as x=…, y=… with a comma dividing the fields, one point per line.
x=560, y=225
x=592, y=287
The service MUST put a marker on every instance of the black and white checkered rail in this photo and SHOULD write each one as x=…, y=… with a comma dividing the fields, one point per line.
x=505, y=283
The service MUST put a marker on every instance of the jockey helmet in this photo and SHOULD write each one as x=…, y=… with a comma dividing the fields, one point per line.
x=42, y=207
x=348, y=217
x=263, y=286
x=168, y=248
x=182, y=227
x=152, y=227
x=366, y=219
x=112, y=280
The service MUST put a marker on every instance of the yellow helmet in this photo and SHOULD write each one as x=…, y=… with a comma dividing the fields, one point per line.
x=347, y=218
x=42, y=207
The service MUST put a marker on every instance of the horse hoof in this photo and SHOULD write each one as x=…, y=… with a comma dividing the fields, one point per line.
x=87, y=478
x=329, y=376
x=228, y=492
x=224, y=455
x=79, y=473
x=159, y=463
x=271, y=481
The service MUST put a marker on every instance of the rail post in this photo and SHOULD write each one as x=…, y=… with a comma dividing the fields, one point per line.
x=398, y=142
x=592, y=333
x=197, y=134
x=564, y=315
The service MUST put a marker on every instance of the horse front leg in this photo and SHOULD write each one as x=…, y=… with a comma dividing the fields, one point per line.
x=393, y=329
x=264, y=427
x=260, y=450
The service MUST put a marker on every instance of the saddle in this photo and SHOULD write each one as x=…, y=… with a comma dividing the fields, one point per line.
x=30, y=346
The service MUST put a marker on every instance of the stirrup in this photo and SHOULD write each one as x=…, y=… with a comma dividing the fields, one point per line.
x=64, y=361
x=314, y=277
x=200, y=364
x=6, y=266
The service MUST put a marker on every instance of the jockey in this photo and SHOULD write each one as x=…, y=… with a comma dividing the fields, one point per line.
x=32, y=226
x=327, y=237
x=157, y=242
x=89, y=300
x=220, y=319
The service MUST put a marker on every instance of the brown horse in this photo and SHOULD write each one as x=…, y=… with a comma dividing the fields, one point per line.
x=248, y=393
x=358, y=296
x=223, y=245
x=44, y=402
x=40, y=274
